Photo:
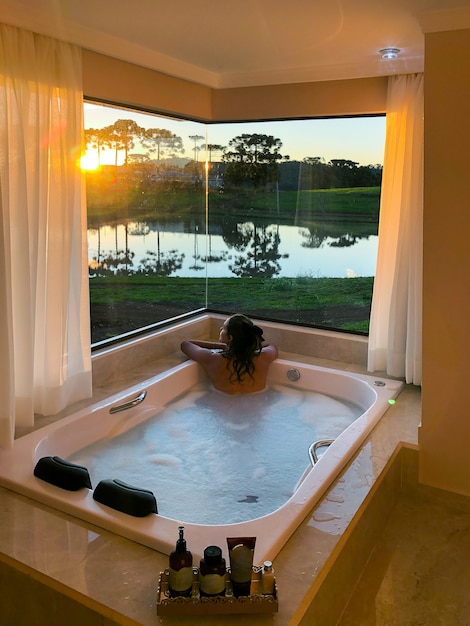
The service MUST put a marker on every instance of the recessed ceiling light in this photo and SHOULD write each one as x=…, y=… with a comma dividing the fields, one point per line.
x=389, y=53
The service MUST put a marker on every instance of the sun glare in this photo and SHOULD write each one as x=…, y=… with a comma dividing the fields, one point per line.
x=89, y=161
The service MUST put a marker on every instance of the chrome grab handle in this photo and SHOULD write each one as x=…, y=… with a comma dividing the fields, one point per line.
x=128, y=405
x=312, y=451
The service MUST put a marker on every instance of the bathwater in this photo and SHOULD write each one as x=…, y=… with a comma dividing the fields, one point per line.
x=211, y=458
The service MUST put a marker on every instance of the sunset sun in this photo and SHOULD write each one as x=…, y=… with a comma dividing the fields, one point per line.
x=89, y=161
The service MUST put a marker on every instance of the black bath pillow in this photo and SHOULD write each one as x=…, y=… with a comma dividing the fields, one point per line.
x=125, y=498
x=63, y=474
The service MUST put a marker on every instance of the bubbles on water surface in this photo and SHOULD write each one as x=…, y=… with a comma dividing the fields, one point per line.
x=259, y=473
x=237, y=426
x=165, y=459
x=212, y=449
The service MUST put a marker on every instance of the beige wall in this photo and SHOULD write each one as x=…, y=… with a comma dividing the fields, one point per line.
x=445, y=432
x=110, y=80
x=329, y=98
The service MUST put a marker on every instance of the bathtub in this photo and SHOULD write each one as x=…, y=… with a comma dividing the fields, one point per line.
x=105, y=419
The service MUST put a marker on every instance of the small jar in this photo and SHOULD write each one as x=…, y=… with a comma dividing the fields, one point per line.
x=267, y=579
x=212, y=572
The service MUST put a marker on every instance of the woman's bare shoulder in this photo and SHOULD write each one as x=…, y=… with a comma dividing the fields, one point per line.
x=270, y=350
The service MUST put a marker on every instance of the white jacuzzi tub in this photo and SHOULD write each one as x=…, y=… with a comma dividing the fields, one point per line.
x=70, y=434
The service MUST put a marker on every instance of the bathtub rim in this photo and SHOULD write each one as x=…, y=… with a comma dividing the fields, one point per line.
x=19, y=478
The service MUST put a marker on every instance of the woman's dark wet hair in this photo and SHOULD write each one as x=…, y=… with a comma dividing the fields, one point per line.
x=246, y=343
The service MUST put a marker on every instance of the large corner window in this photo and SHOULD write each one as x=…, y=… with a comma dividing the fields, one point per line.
x=278, y=220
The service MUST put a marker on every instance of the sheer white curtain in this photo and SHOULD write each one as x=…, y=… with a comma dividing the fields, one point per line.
x=44, y=309
x=395, y=324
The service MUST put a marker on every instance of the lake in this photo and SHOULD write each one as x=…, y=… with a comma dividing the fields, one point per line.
x=241, y=249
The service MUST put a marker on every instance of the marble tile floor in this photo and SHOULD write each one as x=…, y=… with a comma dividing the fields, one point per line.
x=419, y=572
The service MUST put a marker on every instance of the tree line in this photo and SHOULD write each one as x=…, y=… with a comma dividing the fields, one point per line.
x=248, y=161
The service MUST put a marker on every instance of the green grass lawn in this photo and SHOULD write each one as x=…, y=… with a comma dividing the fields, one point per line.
x=329, y=204
x=120, y=304
x=271, y=293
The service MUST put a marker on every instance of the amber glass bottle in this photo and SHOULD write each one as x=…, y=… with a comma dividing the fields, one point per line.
x=181, y=568
x=212, y=572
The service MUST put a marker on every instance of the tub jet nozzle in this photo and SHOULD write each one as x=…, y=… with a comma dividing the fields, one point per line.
x=293, y=374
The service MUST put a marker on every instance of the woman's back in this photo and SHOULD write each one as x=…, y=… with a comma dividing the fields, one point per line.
x=220, y=370
x=240, y=361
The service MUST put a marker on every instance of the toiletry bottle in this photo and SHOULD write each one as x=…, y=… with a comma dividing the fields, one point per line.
x=267, y=578
x=241, y=550
x=181, y=568
x=212, y=572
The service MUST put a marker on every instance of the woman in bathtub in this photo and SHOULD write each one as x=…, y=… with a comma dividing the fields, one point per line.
x=239, y=361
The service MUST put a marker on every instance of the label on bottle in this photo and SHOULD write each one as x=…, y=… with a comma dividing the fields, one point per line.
x=182, y=579
x=241, y=562
x=212, y=584
x=268, y=583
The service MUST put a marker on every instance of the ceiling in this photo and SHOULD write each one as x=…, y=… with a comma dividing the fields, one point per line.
x=247, y=42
